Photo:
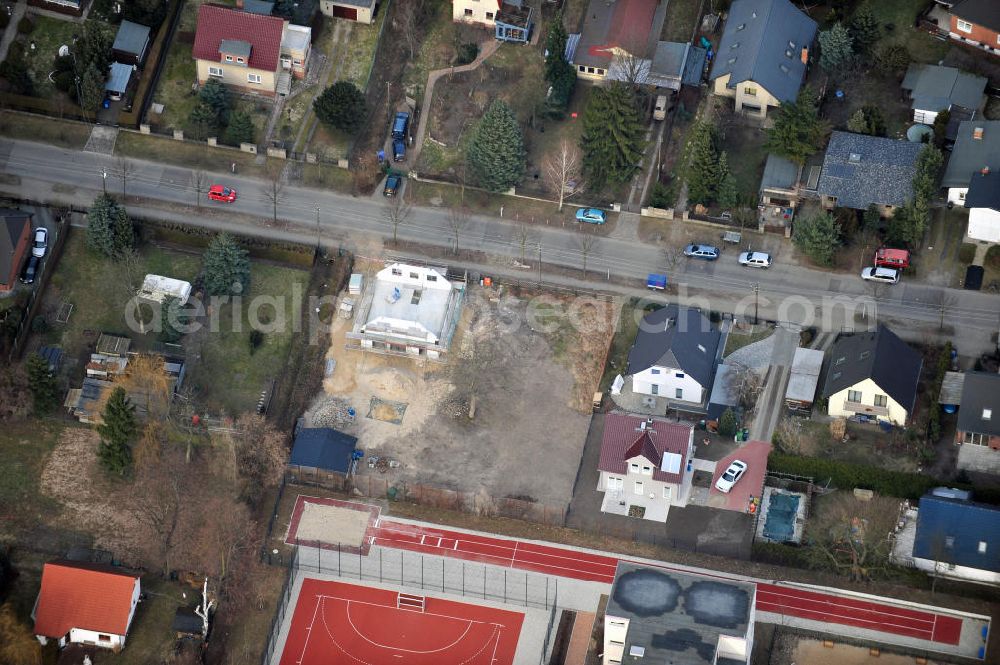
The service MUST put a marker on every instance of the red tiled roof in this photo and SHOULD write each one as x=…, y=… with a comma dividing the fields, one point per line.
x=623, y=439
x=263, y=33
x=629, y=28
x=84, y=596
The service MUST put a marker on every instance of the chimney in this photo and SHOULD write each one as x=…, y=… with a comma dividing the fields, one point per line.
x=805, y=55
x=239, y=4
x=985, y=170
x=977, y=133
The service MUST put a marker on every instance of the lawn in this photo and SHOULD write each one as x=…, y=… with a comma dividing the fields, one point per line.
x=189, y=13
x=621, y=343
x=24, y=446
x=436, y=49
x=681, y=20
x=737, y=339
x=63, y=133
x=151, y=639
x=544, y=139
x=360, y=52
x=744, y=146
x=229, y=374
x=898, y=18
x=95, y=286
x=192, y=155
x=49, y=34
x=175, y=89
x=327, y=176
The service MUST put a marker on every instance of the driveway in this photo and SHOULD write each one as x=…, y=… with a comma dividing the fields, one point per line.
x=693, y=528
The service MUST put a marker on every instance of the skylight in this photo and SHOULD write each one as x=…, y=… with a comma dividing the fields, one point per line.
x=854, y=158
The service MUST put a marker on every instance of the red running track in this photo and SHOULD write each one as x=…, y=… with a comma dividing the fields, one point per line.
x=344, y=624
x=562, y=562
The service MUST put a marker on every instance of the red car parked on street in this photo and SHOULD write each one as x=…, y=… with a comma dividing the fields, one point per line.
x=222, y=193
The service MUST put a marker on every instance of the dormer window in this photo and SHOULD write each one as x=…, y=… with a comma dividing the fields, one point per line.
x=987, y=414
x=741, y=26
x=240, y=60
x=229, y=58
x=855, y=158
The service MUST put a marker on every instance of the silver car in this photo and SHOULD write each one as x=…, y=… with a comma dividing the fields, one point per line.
x=731, y=476
x=706, y=252
x=875, y=274
x=39, y=242
x=755, y=259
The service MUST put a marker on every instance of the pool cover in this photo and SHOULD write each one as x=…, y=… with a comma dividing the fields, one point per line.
x=780, y=523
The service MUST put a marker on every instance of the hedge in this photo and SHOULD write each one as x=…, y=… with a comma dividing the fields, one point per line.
x=882, y=481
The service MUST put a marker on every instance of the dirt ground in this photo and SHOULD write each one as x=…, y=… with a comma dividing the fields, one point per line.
x=532, y=399
x=790, y=648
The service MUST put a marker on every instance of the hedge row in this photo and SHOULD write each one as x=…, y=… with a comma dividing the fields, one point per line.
x=843, y=475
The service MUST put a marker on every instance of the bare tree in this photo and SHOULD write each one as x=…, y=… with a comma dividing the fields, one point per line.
x=127, y=170
x=147, y=384
x=409, y=15
x=523, y=235
x=274, y=192
x=157, y=502
x=396, y=212
x=586, y=244
x=631, y=65
x=850, y=535
x=943, y=302
x=672, y=258
x=458, y=219
x=200, y=181
x=563, y=169
x=745, y=383
x=260, y=455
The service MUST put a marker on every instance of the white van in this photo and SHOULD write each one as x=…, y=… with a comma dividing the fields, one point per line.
x=660, y=108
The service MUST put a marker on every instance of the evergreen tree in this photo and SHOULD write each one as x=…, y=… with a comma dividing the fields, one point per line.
x=818, y=238
x=728, y=423
x=342, y=106
x=941, y=121
x=702, y=164
x=864, y=29
x=871, y=218
x=925, y=180
x=213, y=94
x=91, y=90
x=43, y=386
x=907, y=224
x=118, y=429
x=240, y=129
x=798, y=131
x=613, y=136
x=173, y=318
x=109, y=230
x=892, y=58
x=226, y=266
x=727, y=195
x=867, y=120
x=836, y=49
x=555, y=47
x=496, y=154
x=203, y=120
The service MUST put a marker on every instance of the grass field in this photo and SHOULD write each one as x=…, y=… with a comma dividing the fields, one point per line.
x=174, y=90
x=23, y=448
x=898, y=18
x=681, y=20
x=737, y=340
x=229, y=375
x=63, y=133
x=182, y=153
x=49, y=34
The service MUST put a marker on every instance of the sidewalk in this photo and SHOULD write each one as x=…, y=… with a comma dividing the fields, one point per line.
x=11, y=32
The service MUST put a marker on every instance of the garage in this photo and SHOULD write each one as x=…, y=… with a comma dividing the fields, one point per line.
x=338, y=11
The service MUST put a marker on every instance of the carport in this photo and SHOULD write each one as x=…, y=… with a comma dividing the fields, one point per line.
x=118, y=80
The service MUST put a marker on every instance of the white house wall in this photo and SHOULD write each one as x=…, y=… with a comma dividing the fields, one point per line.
x=956, y=195
x=958, y=572
x=667, y=384
x=81, y=636
x=984, y=224
x=868, y=390
x=615, y=632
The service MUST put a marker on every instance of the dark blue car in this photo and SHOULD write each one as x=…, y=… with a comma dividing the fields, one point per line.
x=398, y=150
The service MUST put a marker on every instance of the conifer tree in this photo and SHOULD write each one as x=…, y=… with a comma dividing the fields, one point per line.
x=496, y=156
x=118, y=429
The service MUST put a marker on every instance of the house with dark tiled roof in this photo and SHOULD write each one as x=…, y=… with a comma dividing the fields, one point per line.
x=874, y=375
x=510, y=20
x=957, y=537
x=978, y=430
x=322, y=455
x=762, y=58
x=983, y=202
x=976, y=149
x=248, y=52
x=674, y=355
x=976, y=23
x=645, y=466
x=15, y=239
x=861, y=170
x=81, y=603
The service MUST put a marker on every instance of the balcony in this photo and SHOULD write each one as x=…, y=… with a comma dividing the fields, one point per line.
x=866, y=409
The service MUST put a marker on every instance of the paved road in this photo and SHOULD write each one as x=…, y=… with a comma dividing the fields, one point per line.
x=787, y=292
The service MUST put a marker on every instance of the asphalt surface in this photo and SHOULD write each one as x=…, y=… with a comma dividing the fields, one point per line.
x=787, y=293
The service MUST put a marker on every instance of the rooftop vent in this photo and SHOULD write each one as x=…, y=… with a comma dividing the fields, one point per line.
x=636, y=651
x=702, y=348
x=741, y=26
x=987, y=414
x=855, y=158
x=985, y=170
x=977, y=133
x=784, y=68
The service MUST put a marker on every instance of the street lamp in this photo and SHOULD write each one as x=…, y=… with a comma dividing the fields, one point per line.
x=755, y=287
x=104, y=172
x=317, y=230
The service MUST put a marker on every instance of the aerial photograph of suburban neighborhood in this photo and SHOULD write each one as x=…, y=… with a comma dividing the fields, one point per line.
x=499, y=332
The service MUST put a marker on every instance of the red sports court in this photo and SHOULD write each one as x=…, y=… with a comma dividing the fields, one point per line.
x=337, y=623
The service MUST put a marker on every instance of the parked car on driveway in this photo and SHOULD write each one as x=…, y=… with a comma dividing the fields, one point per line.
x=755, y=259
x=392, y=184
x=875, y=274
x=40, y=242
x=731, y=476
x=222, y=193
x=398, y=150
x=590, y=216
x=706, y=252
x=30, y=271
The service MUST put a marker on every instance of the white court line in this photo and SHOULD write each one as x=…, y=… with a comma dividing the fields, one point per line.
x=312, y=622
x=350, y=620
x=392, y=607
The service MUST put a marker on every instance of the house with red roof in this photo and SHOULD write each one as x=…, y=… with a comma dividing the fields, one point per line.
x=85, y=603
x=249, y=52
x=617, y=32
x=645, y=466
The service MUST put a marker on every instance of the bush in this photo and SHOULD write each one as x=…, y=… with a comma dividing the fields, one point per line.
x=663, y=195
x=728, y=423
x=39, y=324
x=25, y=26
x=848, y=476
x=466, y=53
x=993, y=257
x=256, y=339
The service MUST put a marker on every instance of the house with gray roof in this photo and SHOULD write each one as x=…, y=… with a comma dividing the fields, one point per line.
x=763, y=55
x=674, y=356
x=131, y=43
x=873, y=375
x=656, y=615
x=861, y=170
x=977, y=148
x=934, y=89
x=779, y=191
x=978, y=431
x=957, y=537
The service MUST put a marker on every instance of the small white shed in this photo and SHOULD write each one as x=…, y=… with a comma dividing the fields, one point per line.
x=158, y=288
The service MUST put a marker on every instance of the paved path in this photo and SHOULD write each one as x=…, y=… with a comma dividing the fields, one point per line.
x=11, y=31
x=771, y=401
x=485, y=51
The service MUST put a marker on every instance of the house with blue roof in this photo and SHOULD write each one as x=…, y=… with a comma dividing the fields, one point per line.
x=861, y=170
x=957, y=537
x=322, y=455
x=763, y=55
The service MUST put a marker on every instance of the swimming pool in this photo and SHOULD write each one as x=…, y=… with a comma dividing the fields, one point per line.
x=779, y=523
